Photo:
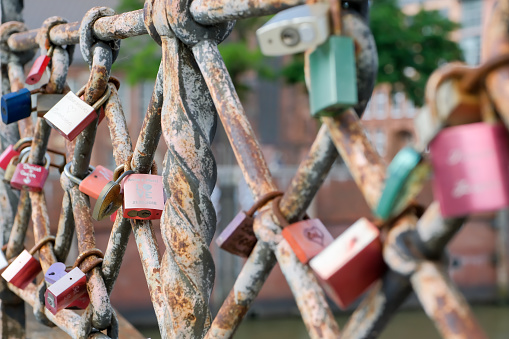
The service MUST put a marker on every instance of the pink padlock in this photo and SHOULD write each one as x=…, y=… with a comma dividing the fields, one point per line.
x=66, y=290
x=56, y=272
x=37, y=70
x=143, y=196
x=30, y=177
x=471, y=164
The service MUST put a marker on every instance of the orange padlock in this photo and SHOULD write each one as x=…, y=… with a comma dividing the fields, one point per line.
x=93, y=183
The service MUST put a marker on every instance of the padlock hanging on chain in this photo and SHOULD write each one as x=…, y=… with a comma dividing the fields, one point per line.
x=22, y=270
x=30, y=177
x=16, y=106
x=294, y=30
x=110, y=199
x=94, y=182
x=56, y=272
x=13, y=163
x=238, y=237
x=71, y=115
x=12, y=151
x=39, y=66
x=351, y=263
x=66, y=290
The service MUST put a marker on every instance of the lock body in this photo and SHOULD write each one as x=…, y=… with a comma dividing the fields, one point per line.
x=29, y=177
x=307, y=238
x=238, y=237
x=70, y=116
x=37, y=70
x=16, y=106
x=470, y=168
x=93, y=183
x=54, y=273
x=66, y=290
x=143, y=197
x=22, y=270
x=7, y=155
x=348, y=266
x=333, y=76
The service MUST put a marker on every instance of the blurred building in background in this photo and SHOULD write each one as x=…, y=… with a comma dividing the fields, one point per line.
x=280, y=116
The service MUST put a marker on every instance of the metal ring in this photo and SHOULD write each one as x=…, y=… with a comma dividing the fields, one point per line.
x=42, y=242
x=87, y=39
x=6, y=30
x=188, y=30
x=43, y=35
x=22, y=142
x=73, y=178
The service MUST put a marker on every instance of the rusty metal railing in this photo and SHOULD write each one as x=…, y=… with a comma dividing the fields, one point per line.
x=192, y=89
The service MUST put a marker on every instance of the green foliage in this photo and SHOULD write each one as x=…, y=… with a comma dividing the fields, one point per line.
x=410, y=48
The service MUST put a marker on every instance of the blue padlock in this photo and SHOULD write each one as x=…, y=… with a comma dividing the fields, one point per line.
x=16, y=106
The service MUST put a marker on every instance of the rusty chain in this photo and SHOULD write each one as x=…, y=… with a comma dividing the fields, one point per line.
x=193, y=87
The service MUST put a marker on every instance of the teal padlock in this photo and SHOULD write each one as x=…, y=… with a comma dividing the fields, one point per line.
x=406, y=175
x=333, y=77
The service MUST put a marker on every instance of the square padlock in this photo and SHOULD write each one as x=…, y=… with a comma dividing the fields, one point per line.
x=70, y=116
x=93, y=183
x=23, y=270
x=307, y=238
x=333, y=76
x=143, y=196
x=351, y=264
x=66, y=290
x=238, y=237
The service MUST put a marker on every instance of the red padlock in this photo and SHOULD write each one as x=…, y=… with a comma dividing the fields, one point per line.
x=39, y=66
x=143, y=196
x=66, y=290
x=93, y=183
x=56, y=272
x=30, y=177
x=23, y=270
x=307, y=238
x=13, y=150
x=354, y=261
x=238, y=237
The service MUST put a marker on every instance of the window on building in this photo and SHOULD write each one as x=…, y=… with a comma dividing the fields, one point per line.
x=380, y=105
x=380, y=141
x=397, y=105
x=471, y=47
x=471, y=13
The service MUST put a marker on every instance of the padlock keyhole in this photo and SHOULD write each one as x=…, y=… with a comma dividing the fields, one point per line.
x=52, y=273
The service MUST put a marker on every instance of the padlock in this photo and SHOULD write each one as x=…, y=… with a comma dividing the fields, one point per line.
x=13, y=150
x=66, y=290
x=30, y=177
x=470, y=165
x=11, y=167
x=94, y=182
x=71, y=115
x=143, y=196
x=238, y=237
x=22, y=270
x=294, y=30
x=54, y=273
x=110, y=198
x=351, y=264
x=102, y=115
x=406, y=176
x=17, y=105
x=46, y=101
x=39, y=66
x=333, y=78
x=307, y=238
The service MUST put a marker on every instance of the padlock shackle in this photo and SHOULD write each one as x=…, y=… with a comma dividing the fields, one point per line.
x=21, y=143
x=50, y=51
x=73, y=178
x=101, y=100
x=47, y=159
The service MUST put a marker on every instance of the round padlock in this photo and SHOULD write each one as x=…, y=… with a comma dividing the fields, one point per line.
x=110, y=199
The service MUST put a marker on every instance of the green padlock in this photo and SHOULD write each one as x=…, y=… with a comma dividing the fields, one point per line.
x=406, y=175
x=333, y=77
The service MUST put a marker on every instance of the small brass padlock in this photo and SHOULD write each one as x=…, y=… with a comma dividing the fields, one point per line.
x=11, y=167
x=110, y=199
